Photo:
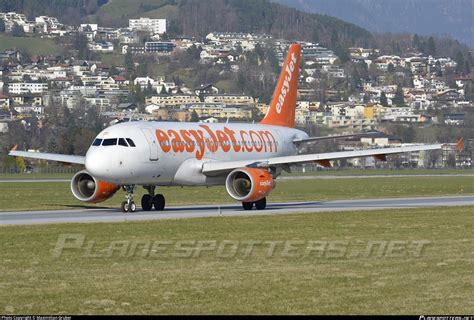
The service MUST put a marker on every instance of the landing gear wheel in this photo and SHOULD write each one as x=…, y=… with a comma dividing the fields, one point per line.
x=247, y=205
x=124, y=206
x=159, y=202
x=129, y=205
x=147, y=202
x=261, y=204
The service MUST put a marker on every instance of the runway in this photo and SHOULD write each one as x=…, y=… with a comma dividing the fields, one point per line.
x=186, y=212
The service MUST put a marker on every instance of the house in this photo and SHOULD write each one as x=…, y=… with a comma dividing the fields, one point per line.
x=133, y=49
x=4, y=101
x=27, y=87
x=150, y=108
x=172, y=100
x=160, y=47
x=128, y=107
x=120, y=81
x=29, y=109
x=101, y=46
x=209, y=120
x=152, y=26
x=230, y=99
x=3, y=127
x=206, y=89
x=455, y=119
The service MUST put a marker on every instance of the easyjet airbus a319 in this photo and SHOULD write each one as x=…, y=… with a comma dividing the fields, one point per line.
x=245, y=158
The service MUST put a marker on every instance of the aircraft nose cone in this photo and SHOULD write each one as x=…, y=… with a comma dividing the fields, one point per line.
x=96, y=164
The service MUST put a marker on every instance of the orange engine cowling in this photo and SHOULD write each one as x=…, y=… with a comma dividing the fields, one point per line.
x=249, y=184
x=88, y=189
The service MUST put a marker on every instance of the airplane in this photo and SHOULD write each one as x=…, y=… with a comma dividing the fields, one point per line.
x=245, y=158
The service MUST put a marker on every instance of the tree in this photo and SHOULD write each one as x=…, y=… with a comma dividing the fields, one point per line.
x=129, y=64
x=17, y=30
x=383, y=100
x=459, y=58
x=20, y=164
x=113, y=71
x=416, y=42
x=451, y=161
x=390, y=68
x=80, y=44
x=399, y=99
x=194, y=116
x=431, y=47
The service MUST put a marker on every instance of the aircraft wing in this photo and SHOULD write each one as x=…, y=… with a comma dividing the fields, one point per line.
x=219, y=168
x=344, y=136
x=49, y=156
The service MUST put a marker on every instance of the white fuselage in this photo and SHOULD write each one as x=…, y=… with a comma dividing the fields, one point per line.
x=172, y=153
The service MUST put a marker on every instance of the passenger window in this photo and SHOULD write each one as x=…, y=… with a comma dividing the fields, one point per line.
x=109, y=142
x=130, y=142
x=122, y=142
x=97, y=142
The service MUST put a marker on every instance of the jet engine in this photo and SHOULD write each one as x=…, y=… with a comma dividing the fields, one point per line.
x=249, y=184
x=88, y=189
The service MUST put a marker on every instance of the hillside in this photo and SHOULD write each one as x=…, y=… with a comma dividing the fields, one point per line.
x=426, y=17
x=197, y=18
x=67, y=10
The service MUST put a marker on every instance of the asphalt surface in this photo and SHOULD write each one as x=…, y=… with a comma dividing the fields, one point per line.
x=87, y=215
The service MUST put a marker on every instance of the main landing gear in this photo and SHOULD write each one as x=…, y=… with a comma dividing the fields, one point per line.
x=259, y=205
x=149, y=200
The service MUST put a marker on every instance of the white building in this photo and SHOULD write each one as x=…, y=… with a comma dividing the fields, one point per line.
x=27, y=87
x=102, y=46
x=152, y=26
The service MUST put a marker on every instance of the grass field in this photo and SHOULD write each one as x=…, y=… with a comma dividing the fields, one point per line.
x=32, y=45
x=57, y=195
x=326, y=172
x=437, y=281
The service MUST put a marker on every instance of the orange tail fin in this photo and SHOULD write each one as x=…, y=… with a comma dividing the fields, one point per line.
x=283, y=105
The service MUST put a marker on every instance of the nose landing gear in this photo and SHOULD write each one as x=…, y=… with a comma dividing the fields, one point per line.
x=129, y=205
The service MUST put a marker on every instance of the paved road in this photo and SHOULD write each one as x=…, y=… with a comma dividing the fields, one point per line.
x=183, y=212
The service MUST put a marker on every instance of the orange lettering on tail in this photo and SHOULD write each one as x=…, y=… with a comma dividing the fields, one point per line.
x=282, y=108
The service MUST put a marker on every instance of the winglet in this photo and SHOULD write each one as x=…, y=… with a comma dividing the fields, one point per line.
x=460, y=144
x=15, y=147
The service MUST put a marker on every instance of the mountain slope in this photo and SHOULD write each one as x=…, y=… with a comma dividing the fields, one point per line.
x=425, y=17
x=197, y=18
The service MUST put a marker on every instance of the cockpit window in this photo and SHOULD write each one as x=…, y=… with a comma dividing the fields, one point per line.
x=109, y=142
x=97, y=142
x=130, y=142
x=122, y=142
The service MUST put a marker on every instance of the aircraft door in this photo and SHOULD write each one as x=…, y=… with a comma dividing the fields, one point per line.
x=152, y=143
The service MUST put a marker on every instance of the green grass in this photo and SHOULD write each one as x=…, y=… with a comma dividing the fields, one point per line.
x=57, y=195
x=391, y=172
x=113, y=58
x=141, y=8
x=439, y=281
x=34, y=176
x=33, y=45
x=165, y=12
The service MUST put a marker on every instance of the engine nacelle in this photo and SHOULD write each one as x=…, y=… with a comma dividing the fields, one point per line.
x=249, y=184
x=86, y=188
